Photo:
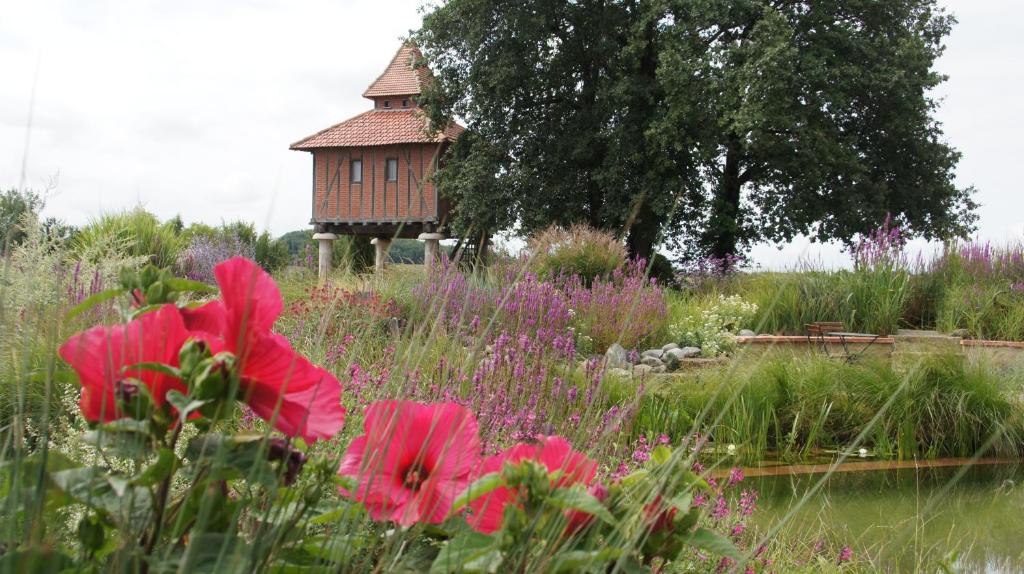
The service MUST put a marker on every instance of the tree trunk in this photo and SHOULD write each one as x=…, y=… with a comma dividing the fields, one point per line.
x=643, y=233
x=645, y=227
x=723, y=234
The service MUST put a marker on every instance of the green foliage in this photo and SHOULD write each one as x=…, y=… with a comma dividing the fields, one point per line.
x=658, y=118
x=271, y=254
x=865, y=300
x=296, y=241
x=135, y=233
x=353, y=253
x=941, y=405
x=579, y=250
x=713, y=324
x=14, y=206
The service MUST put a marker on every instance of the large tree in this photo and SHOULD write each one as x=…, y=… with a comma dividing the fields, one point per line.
x=704, y=123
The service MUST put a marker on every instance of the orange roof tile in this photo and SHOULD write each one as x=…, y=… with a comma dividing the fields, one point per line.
x=379, y=127
x=400, y=78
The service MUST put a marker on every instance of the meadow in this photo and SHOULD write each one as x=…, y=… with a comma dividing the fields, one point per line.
x=258, y=440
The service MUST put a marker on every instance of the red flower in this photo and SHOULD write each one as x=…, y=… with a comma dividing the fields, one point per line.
x=658, y=516
x=100, y=355
x=413, y=461
x=554, y=452
x=279, y=384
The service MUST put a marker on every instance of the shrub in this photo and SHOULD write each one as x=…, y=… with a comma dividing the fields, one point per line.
x=135, y=233
x=271, y=254
x=579, y=250
x=204, y=252
x=714, y=325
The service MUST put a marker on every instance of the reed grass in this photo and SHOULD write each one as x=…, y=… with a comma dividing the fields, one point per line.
x=791, y=408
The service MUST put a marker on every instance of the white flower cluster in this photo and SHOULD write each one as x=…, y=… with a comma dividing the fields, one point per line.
x=714, y=329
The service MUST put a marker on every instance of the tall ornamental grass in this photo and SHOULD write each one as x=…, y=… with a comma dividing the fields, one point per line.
x=942, y=405
x=578, y=250
x=134, y=233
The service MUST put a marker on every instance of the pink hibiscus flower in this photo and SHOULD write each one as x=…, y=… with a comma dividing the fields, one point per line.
x=101, y=354
x=278, y=384
x=413, y=460
x=554, y=452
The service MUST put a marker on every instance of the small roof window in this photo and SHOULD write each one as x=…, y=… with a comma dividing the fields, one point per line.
x=387, y=103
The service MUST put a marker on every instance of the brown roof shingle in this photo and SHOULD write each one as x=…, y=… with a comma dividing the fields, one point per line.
x=400, y=78
x=379, y=127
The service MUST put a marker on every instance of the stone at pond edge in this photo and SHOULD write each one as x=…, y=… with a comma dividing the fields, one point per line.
x=652, y=362
x=669, y=347
x=747, y=333
x=641, y=370
x=616, y=357
x=656, y=353
x=659, y=369
x=962, y=333
x=688, y=352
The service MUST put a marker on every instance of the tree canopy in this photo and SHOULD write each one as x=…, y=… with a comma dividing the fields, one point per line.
x=703, y=124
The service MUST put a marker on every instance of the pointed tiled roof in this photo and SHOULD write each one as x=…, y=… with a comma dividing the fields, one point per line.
x=400, y=78
x=379, y=127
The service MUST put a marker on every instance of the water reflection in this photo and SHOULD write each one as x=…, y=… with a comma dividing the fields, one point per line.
x=908, y=519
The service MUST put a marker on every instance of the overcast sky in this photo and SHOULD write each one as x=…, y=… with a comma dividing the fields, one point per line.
x=189, y=106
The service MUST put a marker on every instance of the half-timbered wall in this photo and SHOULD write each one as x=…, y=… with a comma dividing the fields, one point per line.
x=411, y=197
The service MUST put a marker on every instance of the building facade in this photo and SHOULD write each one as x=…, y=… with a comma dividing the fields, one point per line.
x=372, y=173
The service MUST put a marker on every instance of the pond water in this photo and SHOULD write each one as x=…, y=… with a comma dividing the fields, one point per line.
x=905, y=520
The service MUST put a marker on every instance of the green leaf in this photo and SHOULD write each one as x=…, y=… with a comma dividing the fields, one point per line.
x=712, y=542
x=90, y=533
x=155, y=367
x=164, y=466
x=124, y=437
x=214, y=552
x=583, y=560
x=178, y=284
x=578, y=499
x=183, y=404
x=478, y=488
x=128, y=506
x=239, y=456
x=464, y=553
x=661, y=454
x=92, y=301
x=338, y=549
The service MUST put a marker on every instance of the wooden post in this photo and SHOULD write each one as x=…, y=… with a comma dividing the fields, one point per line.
x=431, y=248
x=324, y=263
x=380, y=258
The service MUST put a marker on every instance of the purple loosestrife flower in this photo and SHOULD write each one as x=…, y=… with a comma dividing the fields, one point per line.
x=721, y=508
x=845, y=555
x=748, y=501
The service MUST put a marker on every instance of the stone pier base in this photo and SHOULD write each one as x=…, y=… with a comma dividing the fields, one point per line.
x=380, y=259
x=431, y=248
x=326, y=240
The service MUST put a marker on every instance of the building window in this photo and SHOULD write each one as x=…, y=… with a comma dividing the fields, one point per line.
x=391, y=169
x=405, y=103
x=387, y=103
x=356, y=171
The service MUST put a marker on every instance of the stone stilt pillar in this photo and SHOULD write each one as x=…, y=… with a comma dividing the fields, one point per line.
x=324, y=263
x=431, y=248
x=380, y=259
